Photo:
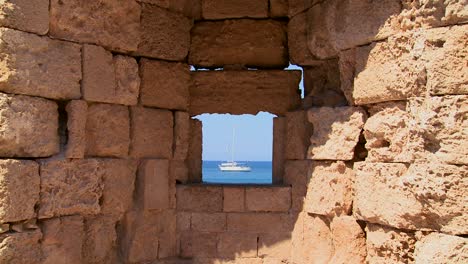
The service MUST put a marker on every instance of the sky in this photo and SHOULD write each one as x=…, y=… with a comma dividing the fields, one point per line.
x=253, y=135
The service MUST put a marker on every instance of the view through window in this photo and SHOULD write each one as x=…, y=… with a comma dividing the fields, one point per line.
x=237, y=149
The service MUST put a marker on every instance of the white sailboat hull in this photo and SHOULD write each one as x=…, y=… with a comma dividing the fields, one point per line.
x=234, y=168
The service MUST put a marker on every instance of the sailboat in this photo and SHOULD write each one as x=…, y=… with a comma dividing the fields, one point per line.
x=232, y=166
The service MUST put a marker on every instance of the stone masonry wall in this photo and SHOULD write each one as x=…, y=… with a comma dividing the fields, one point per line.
x=100, y=153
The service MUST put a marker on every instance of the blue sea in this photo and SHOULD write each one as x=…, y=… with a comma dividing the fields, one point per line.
x=260, y=173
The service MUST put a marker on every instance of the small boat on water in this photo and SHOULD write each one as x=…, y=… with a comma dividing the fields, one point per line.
x=232, y=166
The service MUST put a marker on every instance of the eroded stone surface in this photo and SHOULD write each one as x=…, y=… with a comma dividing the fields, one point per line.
x=20, y=248
x=100, y=239
x=190, y=8
x=220, y=9
x=140, y=238
x=77, y=113
x=25, y=15
x=253, y=43
x=208, y=222
x=29, y=126
x=298, y=132
x=238, y=245
x=153, y=184
x=268, y=199
x=111, y=24
x=233, y=199
x=297, y=174
x=297, y=41
x=127, y=80
x=336, y=132
x=181, y=135
x=19, y=189
x=349, y=241
x=199, y=198
x=441, y=248
x=244, y=92
x=421, y=196
x=259, y=222
x=58, y=246
x=317, y=244
x=275, y=245
x=39, y=66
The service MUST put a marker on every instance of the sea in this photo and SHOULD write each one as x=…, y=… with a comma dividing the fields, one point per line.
x=260, y=173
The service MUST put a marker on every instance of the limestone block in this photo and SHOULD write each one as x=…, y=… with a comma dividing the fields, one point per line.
x=77, y=113
x=119, y=181
x=330, y=189
x=259, y=222
x=268, y=199
x=279, y=149
x=70, y=187
x=222, y=9
x=179, y=171
x=279, y=8
x=238, y=245
x=19, y=188
x=199, y=198
x=152, y=133
x=115, y=25
x=244, y=92
x=181, y=135
x=208, y=222
x=297, y=175
x=317, y=243
x=299, y=6
x=233, y=199
x=127, y=80
x=164, y=35
x=189, y=8
x=441, y=248
x=29, y=126
x=24, y=15
x=297, y=41
x=21, y=248
x=183, y=221
x=349, y=241
x=140, y=240
x=107, y=130
x=164, y=84
x=336, y=132
x=167, y=228
x=198, y=245
x=153, y=184
x=275, y=245
x=194, y=156
x=100, y=240
x=388, y=245
x=418, y=197
x=298, y=132
x=253, y=43
x=58, y=245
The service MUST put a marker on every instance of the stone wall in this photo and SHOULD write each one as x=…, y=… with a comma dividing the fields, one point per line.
x=100, y=156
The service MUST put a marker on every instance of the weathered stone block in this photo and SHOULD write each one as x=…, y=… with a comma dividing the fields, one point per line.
x=234, y=199
x=238, y=245
x=164, y=35
x=253, y=43
x=179, y=171
x=415, y=197
x=25, y=15
x=198, y=245
x=181, y=135
x=276, y=245
x=297, y=175
x=115, y=25
x=330, y=189
x=77, y=113
x=29, y=126
x=107, y=130
x=258, y=222
x=221, y=9
x=441, y=248
x=388, y=245
x=164, y=84
x=140, y=239
x=199, y=198
x=279, y=149
x=437, y=13
x=70, y=187
x=19, y=188
x=153, y=184
x=194, y=156
x=268, y=199
x=152, y=133
x=349, y=241
x=244, y=92
x=189, y=8
x=183, y=221
x=335, y=132
x=298, y=132
x=317, y=243
x=297, y=41
x=127, y=80
x=100, y=240
x=39, y=66
x=58, y=245
x=299, y=6
x=209, y=222
x=20, y=248
x=279, y=8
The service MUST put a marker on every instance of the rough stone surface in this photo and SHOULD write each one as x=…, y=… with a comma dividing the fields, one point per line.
x=238, y=245
x=297, y=41
x=387, y=245
x=244, y=92
x=208, y=222
x=179, y=171
x=253, y=43
x=58, y=245
x=298, y=132
x=234, y=199
x=70, y=187
x=21, y=118
x=99, y=240
x=190, y=8
x=222, y=9
x=25, y=15
x=164, y=84
x=107, y=130
x=275, y=245
x=198, y=245
x=349, y=241
x=164, y=35
x=115, y=25
x=279, y=149
x=194, y=156
x=20, y=248
x=153, y=184
x=268, y=199
x=258, y=222
x=297, y=175
x=441, y=248
x=19, y=189
x=199, y=198
x=39, y=66
x=317, y=243
x=279, y=8
x=77, y=113
x=330, y=189
x=418, y=197
x=181, y=135
x=127, y=80
x=336, y=132
x=298, y=6
x=152, y=133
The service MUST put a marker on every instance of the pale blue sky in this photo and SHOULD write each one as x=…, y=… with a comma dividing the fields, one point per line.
x=253, y=140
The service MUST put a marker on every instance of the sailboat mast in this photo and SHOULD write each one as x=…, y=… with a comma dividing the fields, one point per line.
x=232, y=148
